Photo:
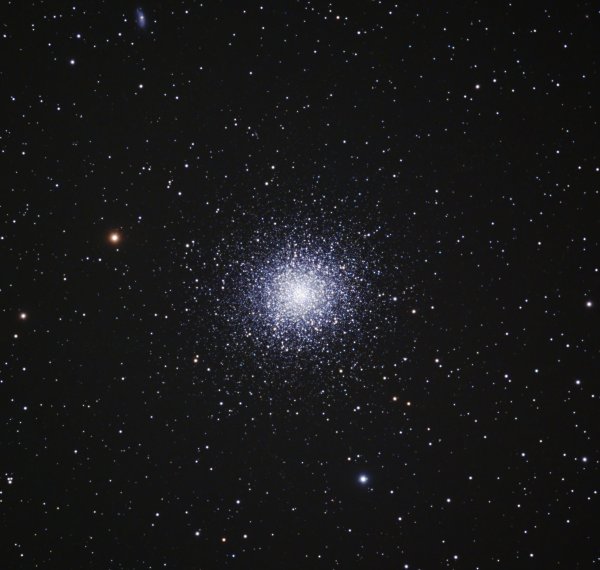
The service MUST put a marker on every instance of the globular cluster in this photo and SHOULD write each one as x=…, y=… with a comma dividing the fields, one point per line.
x=294, y=294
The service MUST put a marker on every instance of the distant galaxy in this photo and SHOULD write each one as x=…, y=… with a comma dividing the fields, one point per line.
x=140, y=18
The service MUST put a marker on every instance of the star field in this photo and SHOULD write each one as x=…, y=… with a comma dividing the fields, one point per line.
x=299, y=285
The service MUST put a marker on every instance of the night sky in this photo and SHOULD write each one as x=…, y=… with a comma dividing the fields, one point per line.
x=299, y=285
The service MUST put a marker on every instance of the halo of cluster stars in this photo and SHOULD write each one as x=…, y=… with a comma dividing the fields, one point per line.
x=302, y=292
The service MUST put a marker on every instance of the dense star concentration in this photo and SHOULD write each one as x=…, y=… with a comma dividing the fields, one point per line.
x=299, y=285
x=307, y=292
x=298, y=297
x=295, y=297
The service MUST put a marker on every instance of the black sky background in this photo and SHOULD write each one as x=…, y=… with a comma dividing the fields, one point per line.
x=467, y=131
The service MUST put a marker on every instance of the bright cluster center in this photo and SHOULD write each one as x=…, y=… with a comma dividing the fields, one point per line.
x=298, y=296
x=303, y=295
